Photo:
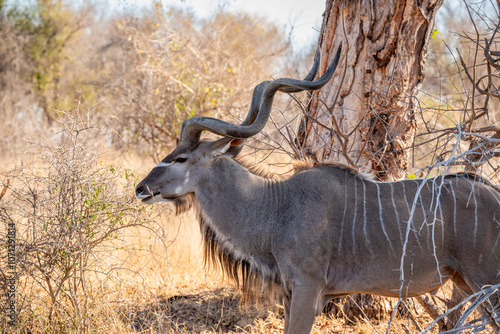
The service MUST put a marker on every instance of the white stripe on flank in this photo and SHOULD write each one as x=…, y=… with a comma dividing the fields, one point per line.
x=498, y=235
x=409, y=212
x=381, y=218
x=491, y=192
x=345, y=209
x=454, y=209
x=424, y=213
x=367, y=241
x=354, y=218
x=398, y=223
x=475, y=211
x=442, y=222
x=404, y=196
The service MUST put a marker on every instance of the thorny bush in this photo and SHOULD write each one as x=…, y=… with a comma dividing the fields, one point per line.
x=68, y=208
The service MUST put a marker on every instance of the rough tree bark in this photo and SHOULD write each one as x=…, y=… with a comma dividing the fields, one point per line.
x=368, y=109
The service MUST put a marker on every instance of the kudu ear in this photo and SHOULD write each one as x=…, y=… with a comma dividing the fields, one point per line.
x=227, y=147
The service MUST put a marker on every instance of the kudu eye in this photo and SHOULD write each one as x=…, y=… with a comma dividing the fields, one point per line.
x=180, y=160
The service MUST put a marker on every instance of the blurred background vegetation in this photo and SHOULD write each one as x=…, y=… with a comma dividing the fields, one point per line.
x=140, y=76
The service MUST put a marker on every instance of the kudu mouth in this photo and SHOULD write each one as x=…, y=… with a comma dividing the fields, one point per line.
x=148, y=197
x=156, y=197
x=144, y=193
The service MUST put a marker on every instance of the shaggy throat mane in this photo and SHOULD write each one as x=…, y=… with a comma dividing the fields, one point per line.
x=254, y=282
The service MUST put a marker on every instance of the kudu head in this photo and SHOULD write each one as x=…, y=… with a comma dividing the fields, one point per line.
x=179, y=173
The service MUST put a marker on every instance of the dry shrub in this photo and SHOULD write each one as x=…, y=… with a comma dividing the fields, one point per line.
x=69, y=209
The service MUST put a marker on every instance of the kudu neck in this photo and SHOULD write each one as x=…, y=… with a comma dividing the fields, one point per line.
x=237, y=203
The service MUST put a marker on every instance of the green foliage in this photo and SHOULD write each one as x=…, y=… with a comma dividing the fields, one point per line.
x=48, y=25
x=435, y=32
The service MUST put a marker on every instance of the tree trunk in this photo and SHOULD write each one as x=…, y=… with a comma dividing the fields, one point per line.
x=368, y=108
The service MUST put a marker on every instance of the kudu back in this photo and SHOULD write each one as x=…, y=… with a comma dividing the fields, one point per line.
x=327, y=231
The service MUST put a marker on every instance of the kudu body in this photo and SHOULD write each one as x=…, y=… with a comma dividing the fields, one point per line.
x=326, y=231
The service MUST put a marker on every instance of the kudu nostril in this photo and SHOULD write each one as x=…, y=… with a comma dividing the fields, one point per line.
x=138, y=191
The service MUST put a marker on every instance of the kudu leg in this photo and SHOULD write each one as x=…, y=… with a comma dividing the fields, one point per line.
x=434, y=312
x=286, y=304
x=303, y=307
x=460, y=290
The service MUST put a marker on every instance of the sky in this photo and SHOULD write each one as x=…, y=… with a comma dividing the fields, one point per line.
x=304, y=15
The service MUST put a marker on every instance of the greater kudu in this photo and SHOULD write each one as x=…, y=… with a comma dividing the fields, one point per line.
x=326, y=231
